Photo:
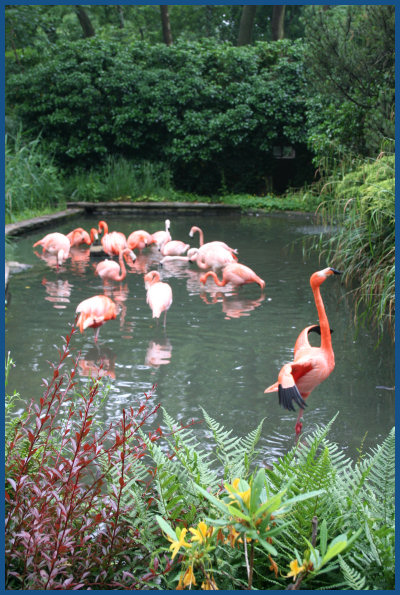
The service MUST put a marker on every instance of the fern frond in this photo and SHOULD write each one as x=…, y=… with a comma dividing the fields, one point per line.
x=354, y=580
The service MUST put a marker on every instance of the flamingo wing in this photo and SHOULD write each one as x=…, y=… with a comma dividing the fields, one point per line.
x=286, y=385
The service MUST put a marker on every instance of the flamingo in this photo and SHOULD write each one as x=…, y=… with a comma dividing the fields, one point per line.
x=114, y=242
x=215, y=257
x=162, y=236
x=159, y=294
x=80, y=236
x=173, y=248
x=310, y=365
x=56, y=244
x=235, y=273
x=94, y=312
x=115, y=271
x=139, y=239
x=213, y=244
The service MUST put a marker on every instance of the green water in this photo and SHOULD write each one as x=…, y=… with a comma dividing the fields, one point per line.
x=221, y=347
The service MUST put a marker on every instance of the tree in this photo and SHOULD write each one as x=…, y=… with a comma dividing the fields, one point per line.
x=277, y=23
x=166, y=25
x=246, y=24
x=87, y=27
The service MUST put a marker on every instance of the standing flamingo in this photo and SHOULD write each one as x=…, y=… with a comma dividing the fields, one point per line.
x=56, y=244
x=162, y=236
x=212, y=257
x=173, y=248
x=159, y=294
x=235, y=273
x=94, y=312
x=140, y=239
x=213, y=244
x=115, y=271
x=311, y=365
x=114, y=242
x=80, y=236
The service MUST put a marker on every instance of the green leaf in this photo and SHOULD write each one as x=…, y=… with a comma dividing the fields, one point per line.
x=166, y=527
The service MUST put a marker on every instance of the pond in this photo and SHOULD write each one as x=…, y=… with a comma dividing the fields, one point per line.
x=221, y=346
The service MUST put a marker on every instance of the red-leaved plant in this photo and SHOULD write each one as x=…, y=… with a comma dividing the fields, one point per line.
x=65, y=527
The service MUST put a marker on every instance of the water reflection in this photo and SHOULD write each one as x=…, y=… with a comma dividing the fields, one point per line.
x=58, y=291
x=51, y=260
x=158, y=353
x=99, y=362
x=80, y=259
x=233, y=306
x=119, y=294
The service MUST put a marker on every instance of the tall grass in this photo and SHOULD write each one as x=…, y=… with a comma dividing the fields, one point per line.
x=32, y=181
x=362, y=203
x=121, y=179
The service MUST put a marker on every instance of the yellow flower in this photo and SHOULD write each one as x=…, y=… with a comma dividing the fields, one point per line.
x=295, y=569
x=209, y=584
x=176, y=545
x=245, y=496
x=201, y=533
x=189, y=578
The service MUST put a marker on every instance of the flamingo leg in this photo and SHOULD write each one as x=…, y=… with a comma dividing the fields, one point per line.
x=299, y=424
x=96, y=334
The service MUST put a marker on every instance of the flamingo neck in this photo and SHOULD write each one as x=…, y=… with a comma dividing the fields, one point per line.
x=214, y=276
x=122, y=274
x=93, y=234
x=103, y=227
x=326, y=342
x=201, y=235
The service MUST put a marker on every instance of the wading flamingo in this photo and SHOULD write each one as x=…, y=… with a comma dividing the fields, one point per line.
x=56, y=244
x=115, y=271
x=235, y=273
x=215, y=257
x=159, y=294
x=114, y=242
x=140, y=239
x=213, y=244
x=80, y=236
x=162, y=236
x=94, y=312
x=310, y=365
x=173, y=248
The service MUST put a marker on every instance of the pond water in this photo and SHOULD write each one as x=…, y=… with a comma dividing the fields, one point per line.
x=221, y=347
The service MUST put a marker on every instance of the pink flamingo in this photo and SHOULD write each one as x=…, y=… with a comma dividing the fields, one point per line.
x=162, y=236
x=139, y=239
x=56, y=244
x=159, y=294
x=113, y=243
x=94, y=312
x=115, y=271
x=310, y=365
x=174, y=248
x=235, y=273
x=211, y=245
x=80, y=236
x=215, y=257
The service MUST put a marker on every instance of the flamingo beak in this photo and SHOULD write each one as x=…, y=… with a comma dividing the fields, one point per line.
x=335, y=272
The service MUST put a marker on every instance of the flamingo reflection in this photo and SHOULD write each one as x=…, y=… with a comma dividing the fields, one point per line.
x=80, y=259
x=99, y=362
x=158, y=354
x=58, y=291
x=232, y=305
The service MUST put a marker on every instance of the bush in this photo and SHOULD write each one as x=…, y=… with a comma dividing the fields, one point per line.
x=212, y=111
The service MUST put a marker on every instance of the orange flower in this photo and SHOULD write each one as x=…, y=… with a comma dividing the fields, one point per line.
x=295, y=569
x=274, y=566
x=209, y=584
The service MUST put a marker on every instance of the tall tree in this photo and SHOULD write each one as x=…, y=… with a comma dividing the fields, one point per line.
x=277, y=23
x=166, y=25
x=120, y=16
x=86, y=24
x=246, y=24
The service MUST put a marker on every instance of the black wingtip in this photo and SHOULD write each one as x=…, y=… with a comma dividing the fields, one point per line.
x=288, y=396
x=317, y=329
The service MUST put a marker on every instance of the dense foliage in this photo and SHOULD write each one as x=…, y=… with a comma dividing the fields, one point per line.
x=215, y=113
x=133, y=505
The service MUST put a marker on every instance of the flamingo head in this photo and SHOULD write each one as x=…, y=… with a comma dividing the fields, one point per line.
x=167, y=224
x=319, y=277
x=192, y=254
x=103, y=227
x=151, y=277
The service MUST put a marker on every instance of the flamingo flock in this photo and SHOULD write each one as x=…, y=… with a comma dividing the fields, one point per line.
x=296, y=380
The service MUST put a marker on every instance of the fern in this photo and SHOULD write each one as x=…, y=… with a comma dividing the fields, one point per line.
x=235, y=454
x=353, y=578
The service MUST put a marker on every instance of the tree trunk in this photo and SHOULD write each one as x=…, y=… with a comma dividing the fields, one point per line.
x=277, y=23
x=246, y=24
x=166, y=26
x=87, y=27
x=120, y=16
